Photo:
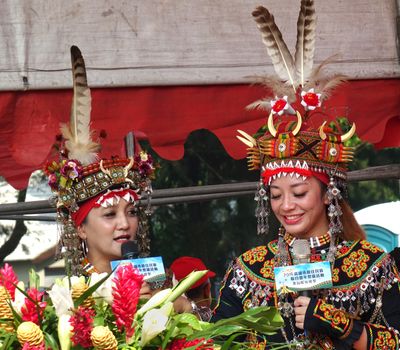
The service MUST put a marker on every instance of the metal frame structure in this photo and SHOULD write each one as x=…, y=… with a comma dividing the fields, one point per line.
x=30, y=210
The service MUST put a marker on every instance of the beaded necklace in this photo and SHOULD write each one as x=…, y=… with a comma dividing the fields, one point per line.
x=88, y=267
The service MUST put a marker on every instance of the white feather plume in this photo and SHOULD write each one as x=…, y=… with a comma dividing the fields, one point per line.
x=77, y=134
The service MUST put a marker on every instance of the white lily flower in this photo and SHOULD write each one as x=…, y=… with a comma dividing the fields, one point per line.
x=61, y=298
x=104, y=291
x=154, y=322
x=64, y=329
x=19, y=300
x=155, y=301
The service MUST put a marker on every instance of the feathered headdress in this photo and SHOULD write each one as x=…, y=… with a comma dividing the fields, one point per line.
x=80, y=175
x=296, y=80
x=81, y=180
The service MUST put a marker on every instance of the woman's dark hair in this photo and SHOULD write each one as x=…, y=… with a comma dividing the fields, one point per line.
x=352, y=230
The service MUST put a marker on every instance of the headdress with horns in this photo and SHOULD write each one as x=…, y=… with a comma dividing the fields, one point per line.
x=81, y=181
x=296, y=148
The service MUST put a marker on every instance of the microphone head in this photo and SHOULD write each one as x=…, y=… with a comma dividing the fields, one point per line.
x=129, y=250
x=301, y=251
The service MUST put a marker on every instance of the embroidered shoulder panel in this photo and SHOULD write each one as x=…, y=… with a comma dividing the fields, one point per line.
x=258, y=263
x=357, y=262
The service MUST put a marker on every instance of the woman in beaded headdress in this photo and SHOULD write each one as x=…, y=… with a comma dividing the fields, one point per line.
x=97, y=199
x=303, y=178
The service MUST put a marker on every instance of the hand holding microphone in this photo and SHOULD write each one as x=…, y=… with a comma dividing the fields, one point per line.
x=301, y=255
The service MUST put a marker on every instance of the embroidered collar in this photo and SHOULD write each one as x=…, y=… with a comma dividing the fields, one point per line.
x=314, y=241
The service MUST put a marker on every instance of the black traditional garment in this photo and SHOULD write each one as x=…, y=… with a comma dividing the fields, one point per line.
x=365, y=293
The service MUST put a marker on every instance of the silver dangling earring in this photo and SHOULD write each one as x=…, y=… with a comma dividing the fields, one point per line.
x=84, y=248
x=262, y=209
x=334, y=209
x=149, y=191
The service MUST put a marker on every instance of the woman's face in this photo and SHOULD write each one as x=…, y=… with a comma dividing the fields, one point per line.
x=105, y=229
x=300, y=206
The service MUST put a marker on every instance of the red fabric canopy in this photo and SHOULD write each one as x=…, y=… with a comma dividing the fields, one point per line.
x=166, y=115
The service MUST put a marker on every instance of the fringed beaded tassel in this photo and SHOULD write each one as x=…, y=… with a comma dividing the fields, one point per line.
x=262, y=209
x=334, y=209
x=70, y=246
x=143, y=234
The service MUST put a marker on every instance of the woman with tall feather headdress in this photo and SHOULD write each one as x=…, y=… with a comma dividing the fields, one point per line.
x=98, y=199
x=303, y=181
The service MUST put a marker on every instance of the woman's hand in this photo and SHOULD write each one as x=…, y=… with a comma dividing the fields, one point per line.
x=145, y=291
x=300, y=308
x=182, y=304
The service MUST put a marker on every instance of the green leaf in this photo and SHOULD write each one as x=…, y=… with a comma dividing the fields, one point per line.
x=34, y=279
x=263, y=320
x=51, y=342
x=9, y=340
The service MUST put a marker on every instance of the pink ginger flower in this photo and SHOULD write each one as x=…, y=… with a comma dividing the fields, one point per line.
x=126, y=292
x=8, y=279
x=82, y=325
x=32, y=311
x=180, y=344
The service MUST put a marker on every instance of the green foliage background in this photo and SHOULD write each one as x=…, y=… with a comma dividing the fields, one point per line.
x=218, y=230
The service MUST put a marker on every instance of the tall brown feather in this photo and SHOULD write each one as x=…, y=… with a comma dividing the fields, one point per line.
x=77, y=134
x=276, y=47
x=305, y=45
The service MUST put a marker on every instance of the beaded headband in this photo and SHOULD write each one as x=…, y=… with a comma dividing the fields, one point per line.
x=296, y=147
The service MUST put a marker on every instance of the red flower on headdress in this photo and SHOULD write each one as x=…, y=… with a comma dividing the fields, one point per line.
x=82, y=325
x=33, y=309
x=72, y=169
x=281, y=105
x=8, y=279
x=127, y=284
x=53, y=181
x=310, y=100
x=144, y=162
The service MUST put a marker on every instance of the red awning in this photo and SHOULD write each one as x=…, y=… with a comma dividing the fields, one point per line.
x=166, y=115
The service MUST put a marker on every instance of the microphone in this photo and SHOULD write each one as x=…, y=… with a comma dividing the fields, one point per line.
x=129, y=250
x=152, y=268
x=301, y=255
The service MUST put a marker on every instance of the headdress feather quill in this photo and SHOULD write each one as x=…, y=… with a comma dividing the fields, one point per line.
x=305, y=45
x=276, y=47
x=77, y=134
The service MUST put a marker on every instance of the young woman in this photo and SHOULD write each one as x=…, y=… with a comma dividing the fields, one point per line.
x=303, y=180
x=98, y=199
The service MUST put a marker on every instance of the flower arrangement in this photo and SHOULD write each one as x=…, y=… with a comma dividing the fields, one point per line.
x=105, y=313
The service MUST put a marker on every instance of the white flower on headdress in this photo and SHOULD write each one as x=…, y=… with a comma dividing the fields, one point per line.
x=281, y=105
x=310, y=100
